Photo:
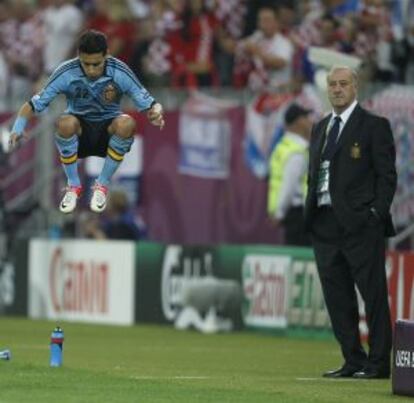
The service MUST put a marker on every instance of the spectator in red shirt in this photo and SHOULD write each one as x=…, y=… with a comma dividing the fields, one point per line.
x=112, y=18
x=192, y=47
x=152, y=57
x=22, y=41
x=231, y=17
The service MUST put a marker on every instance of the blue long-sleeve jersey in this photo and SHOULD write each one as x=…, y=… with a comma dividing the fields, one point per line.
x=94, y=100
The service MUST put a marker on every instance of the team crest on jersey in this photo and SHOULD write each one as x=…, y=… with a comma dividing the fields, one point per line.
x=356, y=151
x=110, y=93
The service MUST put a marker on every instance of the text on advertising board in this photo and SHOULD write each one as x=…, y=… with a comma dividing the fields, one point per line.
x=80, y=286
x=265, y=290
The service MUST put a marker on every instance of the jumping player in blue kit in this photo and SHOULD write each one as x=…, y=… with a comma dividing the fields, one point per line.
x=93, y=123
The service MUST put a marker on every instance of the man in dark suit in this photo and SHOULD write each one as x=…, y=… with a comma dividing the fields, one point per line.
x=351, y=184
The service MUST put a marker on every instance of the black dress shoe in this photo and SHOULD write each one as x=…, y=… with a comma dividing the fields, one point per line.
x=343, y=372
x=368, y=373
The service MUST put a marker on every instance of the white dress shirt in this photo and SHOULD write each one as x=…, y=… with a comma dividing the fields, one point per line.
x=324, y=198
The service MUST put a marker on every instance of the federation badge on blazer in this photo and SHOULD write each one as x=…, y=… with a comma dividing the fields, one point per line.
x=356, y=151
x=110, y=93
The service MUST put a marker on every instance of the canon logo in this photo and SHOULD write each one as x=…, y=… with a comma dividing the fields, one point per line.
x=78, y=286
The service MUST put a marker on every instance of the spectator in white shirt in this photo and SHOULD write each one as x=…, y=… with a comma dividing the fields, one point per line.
x=269, y=52
x=62, y=22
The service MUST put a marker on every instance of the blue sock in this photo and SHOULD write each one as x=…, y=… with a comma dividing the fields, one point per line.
x=117, y=148
x=68, y=150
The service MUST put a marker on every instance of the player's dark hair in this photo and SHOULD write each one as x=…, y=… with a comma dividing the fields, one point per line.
x=92, y=41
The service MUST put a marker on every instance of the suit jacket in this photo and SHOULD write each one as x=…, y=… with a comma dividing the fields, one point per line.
x=362, y=171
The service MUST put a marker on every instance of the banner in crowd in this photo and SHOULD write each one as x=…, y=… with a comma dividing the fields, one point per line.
x=265, y=124
x=186, y=209
x=204, y=137
x=83, y=280
x=264, y=129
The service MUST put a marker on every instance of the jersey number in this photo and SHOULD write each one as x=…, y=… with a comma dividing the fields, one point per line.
x=81, y=93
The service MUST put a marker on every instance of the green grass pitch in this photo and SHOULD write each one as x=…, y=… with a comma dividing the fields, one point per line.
x=160, y=364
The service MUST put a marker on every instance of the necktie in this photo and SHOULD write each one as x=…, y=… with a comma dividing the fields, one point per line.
x=332, y=139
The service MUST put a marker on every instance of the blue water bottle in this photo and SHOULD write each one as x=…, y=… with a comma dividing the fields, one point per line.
x=56, y=347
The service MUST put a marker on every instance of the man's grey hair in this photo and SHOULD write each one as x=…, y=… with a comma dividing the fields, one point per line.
x=354, y=73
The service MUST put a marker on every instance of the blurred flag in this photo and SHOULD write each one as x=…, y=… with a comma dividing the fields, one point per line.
x=204, y=137
x=265, y=125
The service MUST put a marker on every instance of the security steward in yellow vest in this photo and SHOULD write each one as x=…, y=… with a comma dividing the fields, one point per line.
x=288, y=176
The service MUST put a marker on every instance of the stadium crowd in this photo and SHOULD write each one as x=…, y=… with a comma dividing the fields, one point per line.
x=192, y=43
